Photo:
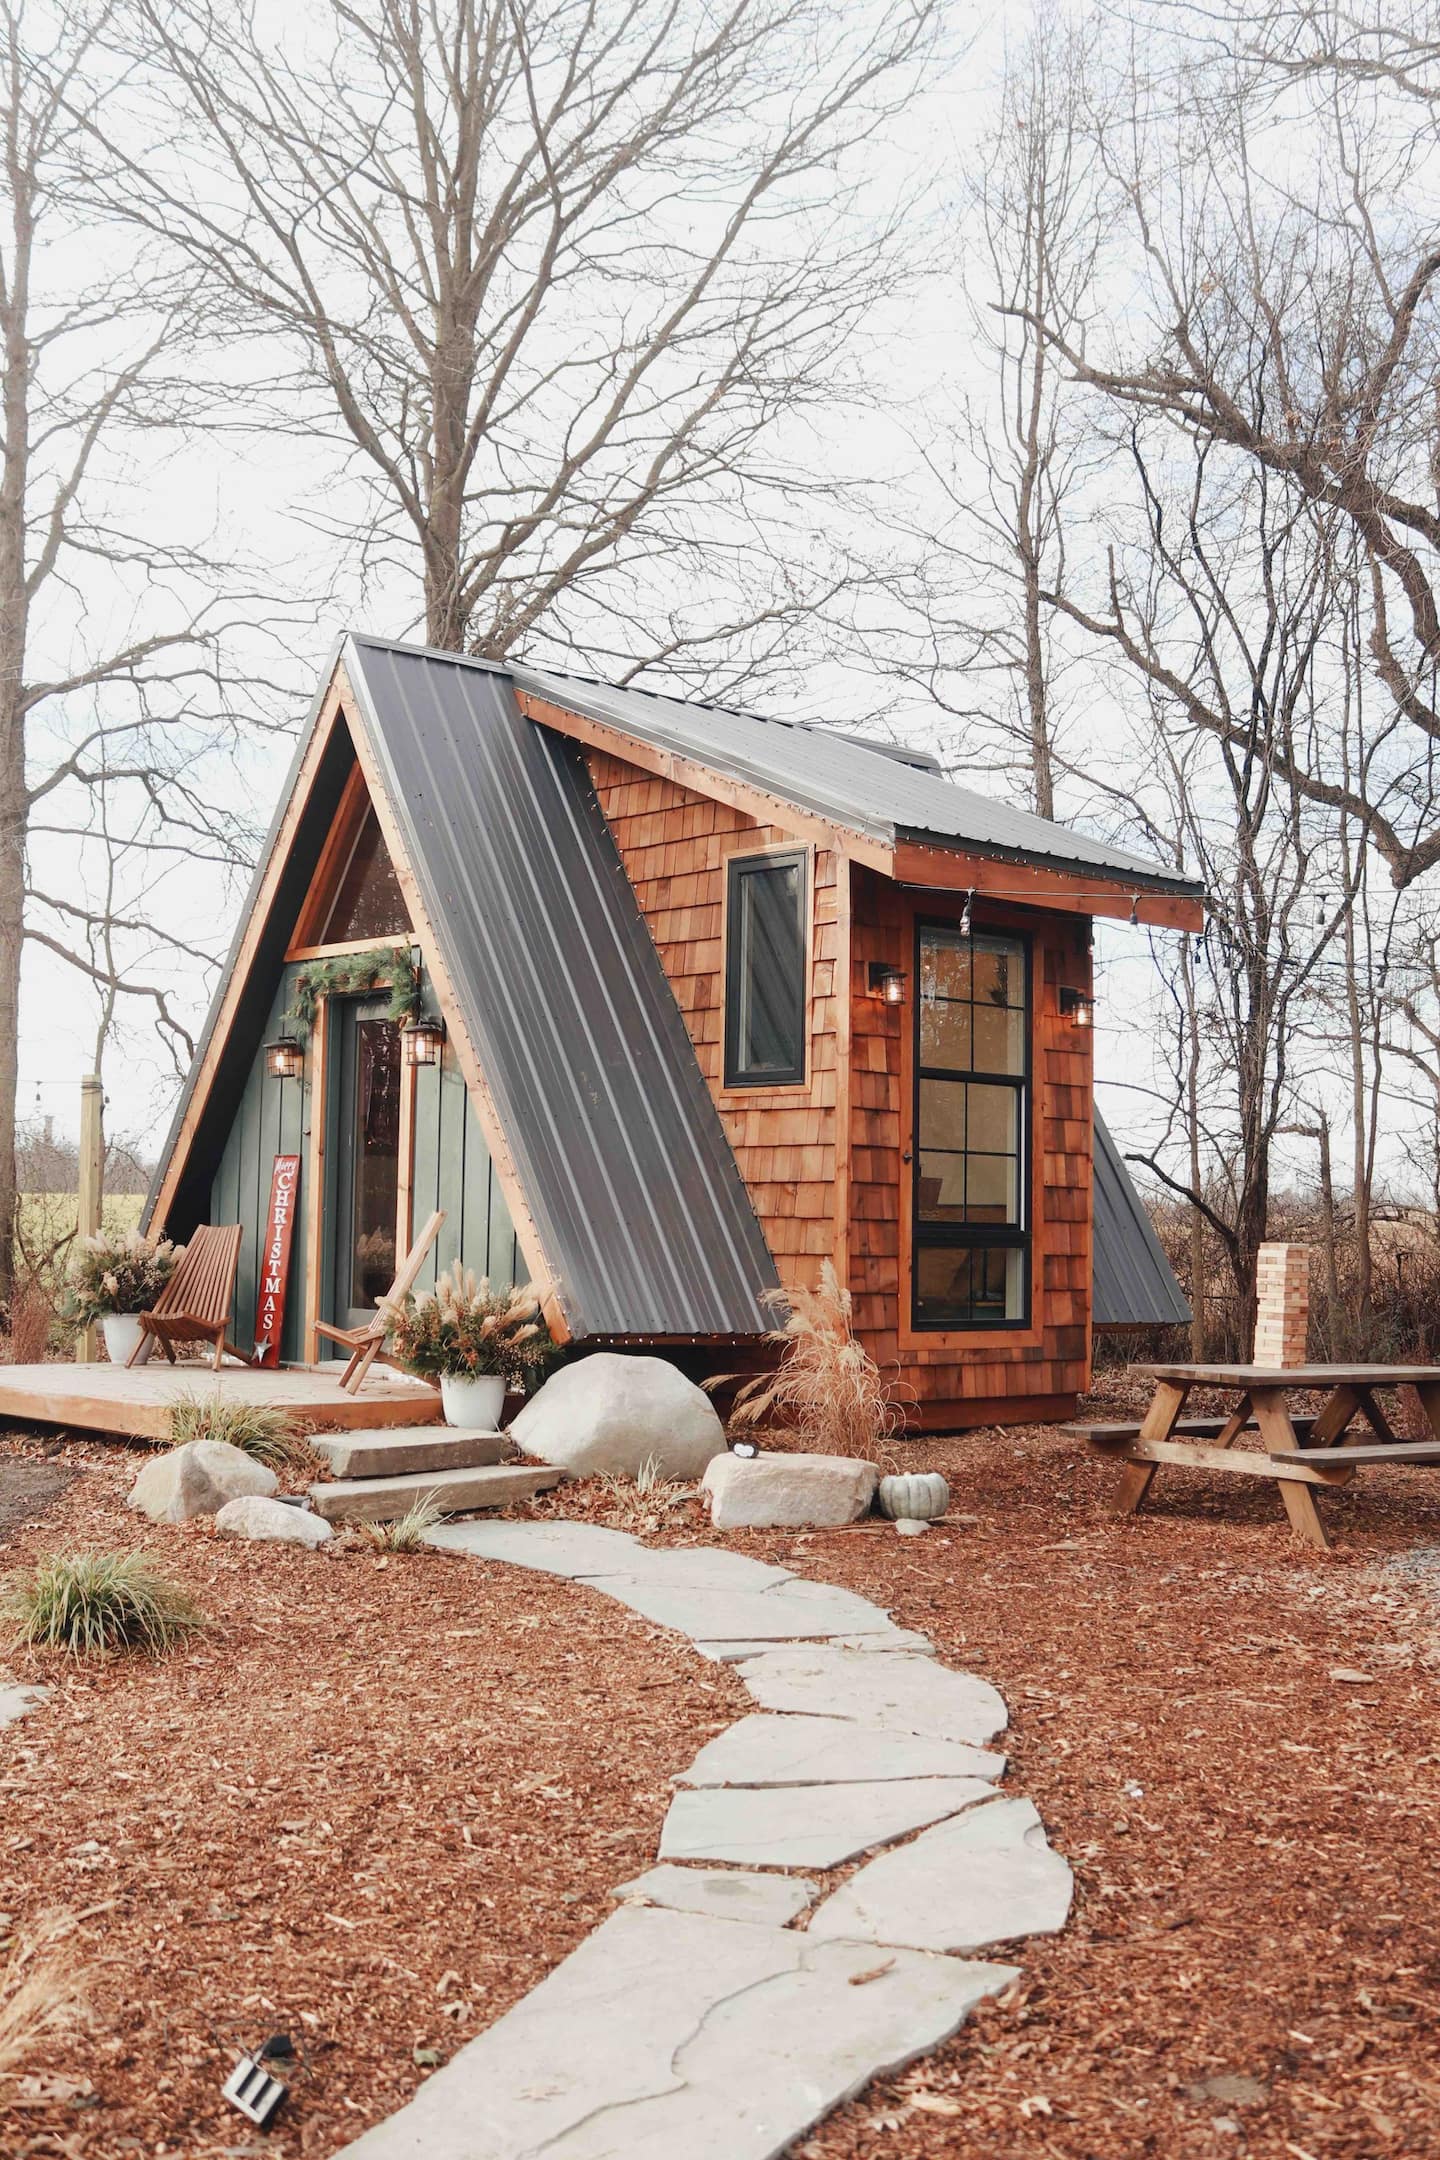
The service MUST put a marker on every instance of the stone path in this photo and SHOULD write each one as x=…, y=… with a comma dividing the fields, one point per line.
x=699, y=2019
x=16, y=1700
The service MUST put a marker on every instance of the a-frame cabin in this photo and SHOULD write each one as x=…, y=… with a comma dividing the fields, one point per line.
x=721, y=997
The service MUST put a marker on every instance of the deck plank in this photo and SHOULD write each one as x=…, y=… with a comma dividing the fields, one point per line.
x=135, y=1402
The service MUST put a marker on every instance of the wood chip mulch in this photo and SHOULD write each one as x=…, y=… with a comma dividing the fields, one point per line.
x=1236, y=1742
x=372, y=1808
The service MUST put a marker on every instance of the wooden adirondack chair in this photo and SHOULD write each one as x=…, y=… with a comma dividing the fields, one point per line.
x=367, y=1343
x=194, y=1305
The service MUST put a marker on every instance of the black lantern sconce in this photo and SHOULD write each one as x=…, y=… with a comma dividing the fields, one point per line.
x=1077, y=1006
x=424, y=1041
x=285, y=1058
x=886, y=983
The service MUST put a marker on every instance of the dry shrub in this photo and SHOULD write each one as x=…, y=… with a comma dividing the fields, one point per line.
x=408, y=1532
x=641, y=1504
x=826, y=1389
x=41, y=1992
x=32, y=1319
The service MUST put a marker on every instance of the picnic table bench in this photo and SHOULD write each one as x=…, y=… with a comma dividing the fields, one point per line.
x=1298, y=1452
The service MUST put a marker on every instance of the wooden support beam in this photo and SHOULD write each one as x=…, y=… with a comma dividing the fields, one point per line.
x=90, y=1197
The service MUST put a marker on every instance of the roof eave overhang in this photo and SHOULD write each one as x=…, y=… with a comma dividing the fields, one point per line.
x=1014, y=874
x=909, y=858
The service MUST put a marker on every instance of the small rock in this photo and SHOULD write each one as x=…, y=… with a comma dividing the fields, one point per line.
x=1351, y=1676
x=609, y=1415
x=909, y=1526
x=780, y=1490
x=198, y=1479
x=271, y=1522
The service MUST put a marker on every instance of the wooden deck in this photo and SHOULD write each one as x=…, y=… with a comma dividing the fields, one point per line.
x=136, y=1401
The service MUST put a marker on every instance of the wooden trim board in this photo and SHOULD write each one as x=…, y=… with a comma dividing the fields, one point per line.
x=136, y=1401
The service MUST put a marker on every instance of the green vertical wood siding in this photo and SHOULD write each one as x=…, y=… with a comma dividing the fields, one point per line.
x=452, y=1171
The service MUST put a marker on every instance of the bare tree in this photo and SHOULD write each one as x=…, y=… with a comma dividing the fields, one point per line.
x=976, y=634
x=1219, y=604
x=560, y=276
x=1287, y=313
x=106, y=710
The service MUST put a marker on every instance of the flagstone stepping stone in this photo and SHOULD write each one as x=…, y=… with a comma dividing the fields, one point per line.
x=589, y=1553
x=893, y=1693
x=723, y=1893
x=829, y=1751
x=988, y=1877
x=669, y=2034
x=891, y=1638
x=807, y=1825
x=16, y=1701
x=786, y=1612
x=573, y=1549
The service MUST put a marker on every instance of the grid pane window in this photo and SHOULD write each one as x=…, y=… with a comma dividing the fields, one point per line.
x=971, y=1264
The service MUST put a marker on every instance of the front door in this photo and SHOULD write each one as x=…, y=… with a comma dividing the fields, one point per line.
x=365, y=1150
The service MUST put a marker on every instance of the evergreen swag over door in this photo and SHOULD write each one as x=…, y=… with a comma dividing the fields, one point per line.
x=351, y=974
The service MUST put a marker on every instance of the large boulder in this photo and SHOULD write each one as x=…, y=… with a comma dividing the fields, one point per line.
x=765, y=1492
x=272, y=1521
x=198, y=1479
x=607, y=1413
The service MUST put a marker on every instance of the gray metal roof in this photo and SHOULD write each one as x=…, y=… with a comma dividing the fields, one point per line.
x=1133, y=1283
x=637, y=1199
x=835, y=776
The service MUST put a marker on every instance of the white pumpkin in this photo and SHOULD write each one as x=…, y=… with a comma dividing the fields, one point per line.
x=918, y=1496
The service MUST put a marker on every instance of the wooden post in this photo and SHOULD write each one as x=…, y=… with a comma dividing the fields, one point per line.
x=92, y=1158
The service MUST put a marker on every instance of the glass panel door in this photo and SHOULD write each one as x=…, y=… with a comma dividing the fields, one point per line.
x=366, y=1139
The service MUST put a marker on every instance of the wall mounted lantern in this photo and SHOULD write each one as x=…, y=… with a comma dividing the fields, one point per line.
x=285, y=1058
x=424, y=1041
x=886, y=982
x=1077, y=1006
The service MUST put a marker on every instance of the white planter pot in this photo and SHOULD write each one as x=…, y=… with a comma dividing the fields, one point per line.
x=121, y=1331
x=473, y=1399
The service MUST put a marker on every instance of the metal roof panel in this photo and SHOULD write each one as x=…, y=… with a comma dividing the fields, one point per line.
x=618, y=1146
x=1133, y=1284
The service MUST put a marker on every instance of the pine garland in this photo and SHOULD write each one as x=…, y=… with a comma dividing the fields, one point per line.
x=388, y=965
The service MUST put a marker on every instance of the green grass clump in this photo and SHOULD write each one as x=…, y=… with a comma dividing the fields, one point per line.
x=255, y=1428
x=408, y=1532
x=91, y=1605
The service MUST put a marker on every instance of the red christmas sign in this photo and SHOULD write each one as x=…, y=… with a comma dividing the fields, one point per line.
x=275, y=1259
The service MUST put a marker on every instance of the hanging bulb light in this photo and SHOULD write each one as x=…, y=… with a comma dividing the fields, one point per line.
x=967, y=927
x=1135, y=911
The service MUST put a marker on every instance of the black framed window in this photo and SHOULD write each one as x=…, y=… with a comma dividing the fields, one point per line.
x=971, y=1260
x=765, y=903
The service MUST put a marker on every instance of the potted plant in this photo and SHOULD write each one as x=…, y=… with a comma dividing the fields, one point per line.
x=112, y=1277
x=475, y=1341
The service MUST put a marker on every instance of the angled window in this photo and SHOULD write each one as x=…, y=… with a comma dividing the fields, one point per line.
x=765, y=915
x=971, y=1160
x=368, y=901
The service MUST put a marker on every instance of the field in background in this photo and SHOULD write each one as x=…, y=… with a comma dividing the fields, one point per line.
x=47, y=1218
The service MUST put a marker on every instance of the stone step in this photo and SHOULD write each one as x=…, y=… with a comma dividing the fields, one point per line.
x=398, y=1450
x=456, y=1492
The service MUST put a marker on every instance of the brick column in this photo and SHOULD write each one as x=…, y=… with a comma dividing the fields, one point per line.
x=1282, y=1317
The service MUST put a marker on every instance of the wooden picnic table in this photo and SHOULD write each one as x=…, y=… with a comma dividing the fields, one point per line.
x=1297, y=1453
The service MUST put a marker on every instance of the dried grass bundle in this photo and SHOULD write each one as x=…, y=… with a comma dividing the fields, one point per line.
x=408, y=1532
x=257, y=1429
x=42, y=1994
x=827, y=1389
